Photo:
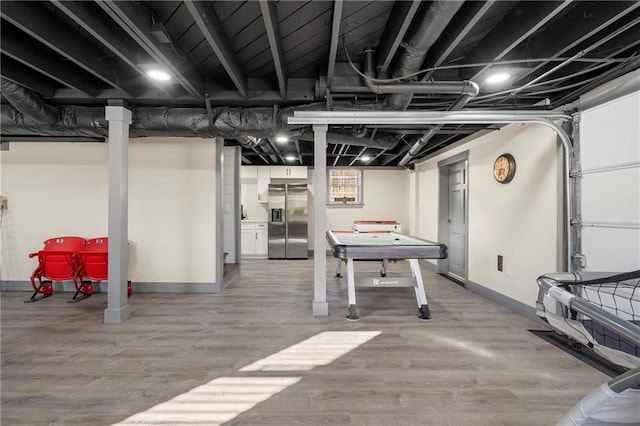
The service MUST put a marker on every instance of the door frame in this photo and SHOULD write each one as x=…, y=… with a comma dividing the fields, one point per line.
x=443, y=209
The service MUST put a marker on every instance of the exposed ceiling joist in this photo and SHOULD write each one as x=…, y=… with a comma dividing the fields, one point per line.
x=433, y=146
x=607, y=76
x=515, y=30
x=26, y=77
x=259, y=154
x=602, y=40
x=270, y=18
x=394, y=157
x=573, y=36
x=298, y=151
x=343, y=149
x=77, y=55
x=470, y=14
x=218, y=97
x=137, y=23
x=27, y=51
x=335, y=35
x=378, y=155
x=272, y=152
x=35, y=20
x=209, y=24
x=401, y=16
x=115, y=41
x=357, y=156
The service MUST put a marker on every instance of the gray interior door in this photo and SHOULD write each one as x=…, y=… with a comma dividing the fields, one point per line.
x=457, y=220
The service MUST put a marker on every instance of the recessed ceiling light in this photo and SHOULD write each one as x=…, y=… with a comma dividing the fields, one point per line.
x=291, y=158
x=499, y=77
x=282, y=139
x=159, y=75
x=365, y=158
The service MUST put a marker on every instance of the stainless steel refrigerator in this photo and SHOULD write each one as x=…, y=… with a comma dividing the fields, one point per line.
x=288, y=211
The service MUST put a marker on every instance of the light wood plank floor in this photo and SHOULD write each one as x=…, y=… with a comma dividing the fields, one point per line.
x=474, y=364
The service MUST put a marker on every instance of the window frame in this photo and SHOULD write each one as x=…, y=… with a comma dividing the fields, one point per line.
x=360, y=192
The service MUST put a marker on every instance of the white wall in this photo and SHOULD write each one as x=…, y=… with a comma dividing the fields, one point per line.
x=61, y=189
x=427, y=201
x=385, y=197
x=518, y=220
x=52, y=190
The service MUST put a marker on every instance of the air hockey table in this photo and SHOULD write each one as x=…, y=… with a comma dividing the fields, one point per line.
x=354, y=245
x=372, y=226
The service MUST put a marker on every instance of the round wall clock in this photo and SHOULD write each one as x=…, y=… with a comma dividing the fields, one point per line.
x=504, y=168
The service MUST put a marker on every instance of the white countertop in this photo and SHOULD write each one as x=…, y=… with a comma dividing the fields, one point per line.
x=253, y=221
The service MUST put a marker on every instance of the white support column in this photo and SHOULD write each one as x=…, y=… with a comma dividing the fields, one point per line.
x=320, y=305
x=219, y=185
x=119, y=119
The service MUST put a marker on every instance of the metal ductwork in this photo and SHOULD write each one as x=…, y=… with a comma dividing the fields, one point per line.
x=338, y=138
x=148, y=121
x=29, y=115
x=425, y=30
x=424, y=33
x=434, y=87
x=28, y=103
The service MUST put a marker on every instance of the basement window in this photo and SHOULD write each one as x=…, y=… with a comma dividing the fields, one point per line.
x=344, y=187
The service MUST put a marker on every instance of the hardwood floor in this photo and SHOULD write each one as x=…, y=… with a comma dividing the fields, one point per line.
x=474, y=364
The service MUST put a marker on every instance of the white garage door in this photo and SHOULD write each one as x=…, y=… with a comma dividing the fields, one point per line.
x=610, y=159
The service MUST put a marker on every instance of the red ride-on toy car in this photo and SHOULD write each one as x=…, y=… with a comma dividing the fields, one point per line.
x=57, y=261
x=94, y=266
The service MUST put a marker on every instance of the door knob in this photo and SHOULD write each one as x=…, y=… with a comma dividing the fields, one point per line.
x=449, y=220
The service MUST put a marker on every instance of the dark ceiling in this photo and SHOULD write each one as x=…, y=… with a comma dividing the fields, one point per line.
x=268, y=56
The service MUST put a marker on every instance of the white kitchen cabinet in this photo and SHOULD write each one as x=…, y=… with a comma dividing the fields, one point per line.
x=262, y=246
x=288, y=172
x=254, y=240
x=248, y=172
x=264, y=177
x=247, y=240
x=264, y=174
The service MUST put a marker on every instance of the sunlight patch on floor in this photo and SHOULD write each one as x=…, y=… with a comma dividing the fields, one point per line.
x=320, y=349
x=460, y=344
x=225, y=398
x=213, y=403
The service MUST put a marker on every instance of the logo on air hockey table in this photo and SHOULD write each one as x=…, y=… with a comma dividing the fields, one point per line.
x=379, y=282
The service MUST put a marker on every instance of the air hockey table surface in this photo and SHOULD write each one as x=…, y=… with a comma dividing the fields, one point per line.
x=382, y=245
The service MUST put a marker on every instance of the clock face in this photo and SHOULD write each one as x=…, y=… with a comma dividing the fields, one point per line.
x=504, y=168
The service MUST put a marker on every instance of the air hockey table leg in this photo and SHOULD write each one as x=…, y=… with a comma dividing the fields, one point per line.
x=351, y=290
x=421, y=295
x=383, y=269
x=339, y=268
